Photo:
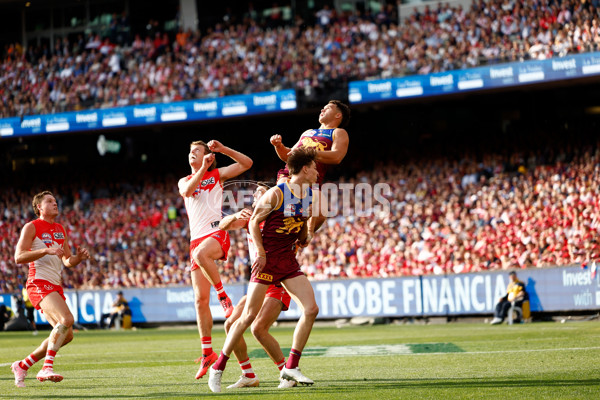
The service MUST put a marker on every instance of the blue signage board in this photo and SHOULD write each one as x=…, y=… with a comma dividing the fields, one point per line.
x=488, y=77
x=149, y=114
x=550, y=290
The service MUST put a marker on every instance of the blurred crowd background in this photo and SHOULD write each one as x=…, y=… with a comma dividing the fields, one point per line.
x=248, y=52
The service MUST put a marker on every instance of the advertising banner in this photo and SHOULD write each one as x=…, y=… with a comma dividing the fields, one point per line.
x=550, y=290
x=149, y=114
x=488, y=77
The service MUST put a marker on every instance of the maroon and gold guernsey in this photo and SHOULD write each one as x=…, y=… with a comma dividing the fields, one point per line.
x=318, y=139
x=283, y=225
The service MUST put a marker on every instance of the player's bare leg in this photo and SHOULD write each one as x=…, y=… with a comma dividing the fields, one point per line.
x=266, y=317
x=254, y=300
x=205, y=255
x=58, y=314
x=20, y=367
x=240, y=351
x=302, y=292
x=203, y=320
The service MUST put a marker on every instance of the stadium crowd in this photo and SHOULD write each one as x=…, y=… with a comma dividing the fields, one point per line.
x=252, y=56
x=526, y=210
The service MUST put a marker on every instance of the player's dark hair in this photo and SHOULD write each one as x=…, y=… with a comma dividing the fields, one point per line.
x=37, y=200
x=344, y=109
x=300, y=158
x=206, y=151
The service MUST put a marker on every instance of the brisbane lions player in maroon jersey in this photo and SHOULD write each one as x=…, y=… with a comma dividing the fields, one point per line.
x=44, y=245
x=285, y=209
x=276, y=301
x=202, y=193
x=330, y=141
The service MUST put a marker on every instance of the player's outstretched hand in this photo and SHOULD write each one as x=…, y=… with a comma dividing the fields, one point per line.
x=215, y=146
x=276, y=140
x=245, y=214
x=306, y=241
x=82, y=253
x=300, y=245
x=55, y=251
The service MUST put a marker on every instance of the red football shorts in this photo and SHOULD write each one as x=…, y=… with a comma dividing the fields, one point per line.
x=37, y=289
x=220, y=236
x=279, y=293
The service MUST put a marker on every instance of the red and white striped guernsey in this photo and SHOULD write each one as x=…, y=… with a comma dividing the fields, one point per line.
x=49, y=267
x=204, y=206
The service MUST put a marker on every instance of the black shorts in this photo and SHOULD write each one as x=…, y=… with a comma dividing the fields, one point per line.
x=29, y=312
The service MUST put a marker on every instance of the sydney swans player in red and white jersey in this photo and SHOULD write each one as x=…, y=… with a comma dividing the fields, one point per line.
x=202, y=192
x=44, y=245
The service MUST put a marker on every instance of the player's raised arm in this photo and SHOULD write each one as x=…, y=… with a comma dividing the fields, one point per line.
x=187, y=187
x=339, y=148
x=281, y=150
x=23, y=252
x=241, y=165
x=267, y=203
x=235, y=221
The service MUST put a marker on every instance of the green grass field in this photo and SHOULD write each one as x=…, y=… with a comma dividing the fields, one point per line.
x=458, y=361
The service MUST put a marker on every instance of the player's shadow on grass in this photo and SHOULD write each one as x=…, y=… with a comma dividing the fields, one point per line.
x=327, y=387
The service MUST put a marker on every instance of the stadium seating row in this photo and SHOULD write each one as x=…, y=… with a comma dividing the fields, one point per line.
x=248, y=57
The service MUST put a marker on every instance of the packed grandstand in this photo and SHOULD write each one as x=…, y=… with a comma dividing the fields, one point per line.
x=525, y=210
x=499, y=210
x=254, y=55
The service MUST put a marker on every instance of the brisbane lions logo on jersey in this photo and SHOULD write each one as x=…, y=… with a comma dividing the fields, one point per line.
x=313, y=144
